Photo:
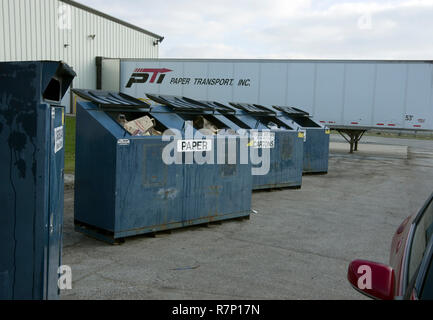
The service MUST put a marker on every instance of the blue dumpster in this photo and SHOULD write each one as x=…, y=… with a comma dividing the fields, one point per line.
x=31, y=177
x=123, y=187
x=286, y=153
x=316, y=145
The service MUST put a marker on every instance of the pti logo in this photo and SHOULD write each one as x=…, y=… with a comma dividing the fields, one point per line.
x=141, y=75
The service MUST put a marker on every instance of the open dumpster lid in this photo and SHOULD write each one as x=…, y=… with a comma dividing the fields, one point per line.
x=292, y=111
x=179, y=103
x=252, y=108
x=107, y=99
x=212, y=104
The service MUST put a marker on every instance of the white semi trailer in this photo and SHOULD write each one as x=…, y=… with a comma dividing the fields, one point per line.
x=350, y=96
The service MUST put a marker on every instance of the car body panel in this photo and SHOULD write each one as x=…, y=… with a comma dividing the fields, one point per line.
x=401, y=252
x=399, y=247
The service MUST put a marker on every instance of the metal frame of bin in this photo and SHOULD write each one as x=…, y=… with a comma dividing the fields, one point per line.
x=31, y=177
x=123, y=187
x=188, y=109
x=316, y=145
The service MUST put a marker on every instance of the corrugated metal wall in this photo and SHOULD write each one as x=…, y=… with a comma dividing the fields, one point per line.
x=39, y=30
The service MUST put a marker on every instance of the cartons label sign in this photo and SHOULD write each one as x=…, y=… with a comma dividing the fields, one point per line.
x=263, y=140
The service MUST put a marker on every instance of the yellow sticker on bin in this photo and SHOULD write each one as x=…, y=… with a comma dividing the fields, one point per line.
x=301, y=134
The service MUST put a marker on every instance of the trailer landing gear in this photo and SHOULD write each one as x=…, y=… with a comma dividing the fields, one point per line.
x=353, y=137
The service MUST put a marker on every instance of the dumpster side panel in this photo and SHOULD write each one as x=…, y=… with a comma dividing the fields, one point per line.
x=153, y=196
x=316, y=151
x=202, y=192
x=285, y=163
x=296, y=160
x=55, y=218
x=285, y=166
x=148, y=193
x=316, y=145
x=23, y=191
x=217, y=191
x=95, y=169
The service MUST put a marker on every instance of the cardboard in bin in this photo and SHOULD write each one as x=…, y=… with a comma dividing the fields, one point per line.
x=201, y=123
x=141, y=127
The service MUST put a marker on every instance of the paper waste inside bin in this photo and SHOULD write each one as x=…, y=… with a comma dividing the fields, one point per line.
x=143, y=126
x=201, y=123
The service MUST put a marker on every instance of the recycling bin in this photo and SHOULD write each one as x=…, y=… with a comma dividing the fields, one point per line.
x=285, y=152
x=316, y=145
x=31, y=177
x=128, y=184
x=284, y=166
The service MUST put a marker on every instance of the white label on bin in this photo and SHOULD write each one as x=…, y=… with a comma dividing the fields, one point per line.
x=58, y=139
x=123, y=142
x=194, y=145
x=263, y=140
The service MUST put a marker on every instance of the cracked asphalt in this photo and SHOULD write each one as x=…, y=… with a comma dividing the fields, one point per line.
x=297, y=246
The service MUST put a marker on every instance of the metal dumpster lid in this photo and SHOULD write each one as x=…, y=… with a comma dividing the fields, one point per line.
x=292, y=111
x=107, y=99
x=179, y=103
x=253, y=108
x=222, y=108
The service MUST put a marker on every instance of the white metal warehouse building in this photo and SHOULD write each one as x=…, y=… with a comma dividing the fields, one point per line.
x=68, y=31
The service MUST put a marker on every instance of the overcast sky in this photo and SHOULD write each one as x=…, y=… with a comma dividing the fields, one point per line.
x=394, y=29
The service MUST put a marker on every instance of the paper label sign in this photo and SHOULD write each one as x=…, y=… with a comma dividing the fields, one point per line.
x=263, y=140
x=194, y=145
x=58, y=139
